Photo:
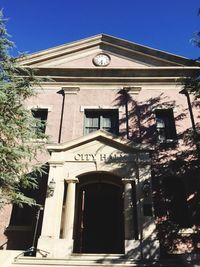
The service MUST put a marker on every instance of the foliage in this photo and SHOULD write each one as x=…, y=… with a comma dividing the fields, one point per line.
x=192, y=84
x=17, y=126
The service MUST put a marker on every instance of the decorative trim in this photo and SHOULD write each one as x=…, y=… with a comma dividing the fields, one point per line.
x=72, y=180
x=133, y=90
x=170, y=105
x=40, y=106
x=71, y=90
x=54, y=163
x=127, y=180
x=83, y=108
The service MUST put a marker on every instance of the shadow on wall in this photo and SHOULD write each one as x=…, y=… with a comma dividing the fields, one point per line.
x=175, y=171
x=20, y=231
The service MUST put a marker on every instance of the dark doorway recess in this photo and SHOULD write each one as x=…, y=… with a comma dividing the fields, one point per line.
x=100, y=223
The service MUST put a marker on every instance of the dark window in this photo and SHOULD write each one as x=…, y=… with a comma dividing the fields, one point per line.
x=176, y=201
x=25, y=215
x=41, y=116
x=165, y=125
x=101, y=119
x=21, y=215
x=147, y=210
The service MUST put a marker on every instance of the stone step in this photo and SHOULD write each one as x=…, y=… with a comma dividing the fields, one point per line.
x=73, y=261
x=90, y=260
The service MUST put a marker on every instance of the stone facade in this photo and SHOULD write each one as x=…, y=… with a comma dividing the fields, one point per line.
x=138, y=169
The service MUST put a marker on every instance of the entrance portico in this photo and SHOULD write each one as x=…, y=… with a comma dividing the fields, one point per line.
x=102, y=201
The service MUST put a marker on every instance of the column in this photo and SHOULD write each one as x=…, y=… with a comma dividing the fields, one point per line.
x=148, y=236
x=128, y=209
x=50, y=236
x=69, y=210
x=53, y=204
x=132, y=246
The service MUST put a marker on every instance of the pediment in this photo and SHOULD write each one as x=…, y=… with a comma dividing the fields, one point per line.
x=123, y=54
x=100, y=146
x=101, y=136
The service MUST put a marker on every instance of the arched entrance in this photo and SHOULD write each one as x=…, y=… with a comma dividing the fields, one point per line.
x=99, y=217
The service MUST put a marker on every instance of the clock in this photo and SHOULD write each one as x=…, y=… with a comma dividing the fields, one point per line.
x=101, y=60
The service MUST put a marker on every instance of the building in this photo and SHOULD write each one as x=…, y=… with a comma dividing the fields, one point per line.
x=122, y=171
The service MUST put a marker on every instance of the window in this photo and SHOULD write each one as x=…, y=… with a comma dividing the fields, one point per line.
x=41, y=116
x=22, y=216
x=176, y=201
x=165, y=125
x=101, y=119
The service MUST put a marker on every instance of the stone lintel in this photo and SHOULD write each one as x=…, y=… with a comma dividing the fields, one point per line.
x=71, y=90
x=133, y=90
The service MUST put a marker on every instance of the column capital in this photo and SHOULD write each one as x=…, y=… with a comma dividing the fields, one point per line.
x=127, y=180
x=73, y=180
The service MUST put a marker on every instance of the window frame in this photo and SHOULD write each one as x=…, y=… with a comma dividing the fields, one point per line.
x=100, y=114
x=166, y=115
x=42, y=128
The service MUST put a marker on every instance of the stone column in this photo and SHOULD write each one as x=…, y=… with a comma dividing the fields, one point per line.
x=128, y=209
x=68, y=225
x=50, y=234
x=53, y=204
x=148, y=234
x=130, y=243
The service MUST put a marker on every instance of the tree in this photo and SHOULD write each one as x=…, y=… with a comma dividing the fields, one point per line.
x=192, y=84
x=17, y=127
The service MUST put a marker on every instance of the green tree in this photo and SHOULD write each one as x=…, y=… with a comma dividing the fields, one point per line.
x=192, y=84
x=17, y=127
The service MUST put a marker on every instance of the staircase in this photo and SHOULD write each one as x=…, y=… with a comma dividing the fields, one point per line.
x=91, y=260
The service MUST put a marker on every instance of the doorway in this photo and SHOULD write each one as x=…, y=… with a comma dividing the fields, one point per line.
x=100, y=222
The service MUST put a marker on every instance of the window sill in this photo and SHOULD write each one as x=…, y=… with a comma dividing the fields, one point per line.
x=168, y=143
x=187, y=231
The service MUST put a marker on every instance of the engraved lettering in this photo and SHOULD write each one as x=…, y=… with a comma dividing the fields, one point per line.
x=102, y=157
x=87, y=157
x=77, y=157
x=93, y=156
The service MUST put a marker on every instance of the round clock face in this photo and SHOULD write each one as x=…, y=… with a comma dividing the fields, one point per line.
x=101, y=60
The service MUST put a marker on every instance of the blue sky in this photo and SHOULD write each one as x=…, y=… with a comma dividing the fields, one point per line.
x=166, y=25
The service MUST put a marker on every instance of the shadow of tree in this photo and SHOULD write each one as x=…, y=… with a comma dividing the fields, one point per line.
x=21, y=228
x=175, y=171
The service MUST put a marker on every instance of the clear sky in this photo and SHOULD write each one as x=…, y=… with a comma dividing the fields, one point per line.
x=162, y=24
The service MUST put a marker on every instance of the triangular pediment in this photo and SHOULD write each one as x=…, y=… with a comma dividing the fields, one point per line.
x=99, y=151
x=102, y=137
x=122, y=53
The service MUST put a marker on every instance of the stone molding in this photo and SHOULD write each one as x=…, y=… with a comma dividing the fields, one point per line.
x=72, y=180
x=127, y=180
x=71, y=90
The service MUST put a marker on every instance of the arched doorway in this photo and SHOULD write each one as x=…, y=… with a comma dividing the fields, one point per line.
x=99, y=217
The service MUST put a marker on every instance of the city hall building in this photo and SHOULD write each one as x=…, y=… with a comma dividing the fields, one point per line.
x=122, y=174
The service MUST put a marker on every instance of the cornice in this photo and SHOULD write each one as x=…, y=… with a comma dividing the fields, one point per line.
x=106, y=42
x=116, y=73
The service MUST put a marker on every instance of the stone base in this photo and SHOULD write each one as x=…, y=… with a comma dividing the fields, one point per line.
x=57, y=248
x=132, y=249
x=150, y=249
x=142, y=249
